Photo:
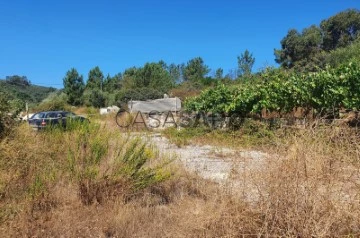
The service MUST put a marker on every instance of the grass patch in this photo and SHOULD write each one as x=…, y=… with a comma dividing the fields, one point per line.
x=184, y=137
x=251, y=134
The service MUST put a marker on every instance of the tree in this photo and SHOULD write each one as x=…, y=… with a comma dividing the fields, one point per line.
x=309, y=47
x=97, y=98
x=219, y=73
x=163, y=64
x=112, y=84
x=5, y=119
x=95, y=79
x=286, y=55
x=155, y=75
x=310, y=42
x=129, y=77
x=299, y=49
x=152, y=75
x=175, y=71
x=304, y=51
x=245, y=63
x=340, y=56
x=74, y=87
x=195, y=70
x=340, y=30
x=18, y=80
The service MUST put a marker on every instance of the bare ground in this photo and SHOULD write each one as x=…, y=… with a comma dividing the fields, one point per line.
x=232, y=169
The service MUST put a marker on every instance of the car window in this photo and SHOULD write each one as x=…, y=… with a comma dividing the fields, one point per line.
x=68, y=114
x=51, y=115
x=38, y=115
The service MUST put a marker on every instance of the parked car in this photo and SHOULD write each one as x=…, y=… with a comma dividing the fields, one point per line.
x=45, y=119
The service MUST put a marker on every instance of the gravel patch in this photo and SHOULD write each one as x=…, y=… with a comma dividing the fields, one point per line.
x=210, y=162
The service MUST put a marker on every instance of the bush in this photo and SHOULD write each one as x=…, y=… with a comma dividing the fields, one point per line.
x=97, y=99
x=9, y=109
x=102, y=164
x=56, y=101
x=184, y=136
x=325, y=91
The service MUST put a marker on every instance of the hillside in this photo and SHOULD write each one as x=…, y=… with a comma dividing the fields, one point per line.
x=17, y=88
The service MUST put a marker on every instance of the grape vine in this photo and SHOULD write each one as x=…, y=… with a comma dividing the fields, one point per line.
x=325, y=92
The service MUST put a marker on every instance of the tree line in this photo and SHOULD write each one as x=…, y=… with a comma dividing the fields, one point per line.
x=150, y=81
x=333, y=42
x=311, y=48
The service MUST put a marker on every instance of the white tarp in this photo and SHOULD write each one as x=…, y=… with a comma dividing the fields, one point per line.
x=160, y=105
x=107, y=110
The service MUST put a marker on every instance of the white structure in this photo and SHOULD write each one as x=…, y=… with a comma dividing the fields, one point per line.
x=160, y=105
x=25, y=117
x=107, y=110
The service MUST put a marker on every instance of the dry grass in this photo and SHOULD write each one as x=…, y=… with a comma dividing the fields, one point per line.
x=314, y=189
x=310, y=189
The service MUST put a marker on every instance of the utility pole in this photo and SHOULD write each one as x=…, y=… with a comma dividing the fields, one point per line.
x=27, y=110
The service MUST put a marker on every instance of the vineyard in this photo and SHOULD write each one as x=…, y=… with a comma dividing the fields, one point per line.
x=323, y=93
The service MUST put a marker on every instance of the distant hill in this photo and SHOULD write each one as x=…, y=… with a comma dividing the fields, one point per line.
x=18, y=87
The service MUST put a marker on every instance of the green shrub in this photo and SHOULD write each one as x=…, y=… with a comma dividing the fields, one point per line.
x=325, y=91
x=9, y=109
x=185, y=135
x=97, y=99
x=102, y=164
x=53, y=102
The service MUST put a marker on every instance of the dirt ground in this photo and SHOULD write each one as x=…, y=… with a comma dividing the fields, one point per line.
x=231, y=168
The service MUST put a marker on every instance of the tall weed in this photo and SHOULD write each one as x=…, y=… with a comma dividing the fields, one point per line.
x=91, y=181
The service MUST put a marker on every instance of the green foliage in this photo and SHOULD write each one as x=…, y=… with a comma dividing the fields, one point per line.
x=16, y=106
x=176, y=71
x=184, y=136
x=251, y=133
x=95, y=79
x=97, y=98
x=219, y=73
x=245, y=63
x=16, y=88
x=339, y=56
x=5, y=118
x=129, y=159
x=74, y=87
x=132, y=165
x=100, y=163
x=298, y=49
x=112, y=84
x=55, y=101
x=18, y=80
x=195, y=70
x=340, y=30
x=305, y=51
x=152, y=75
x=214, y=100
x=325, y=91
x=141, y=94
x=9, y=110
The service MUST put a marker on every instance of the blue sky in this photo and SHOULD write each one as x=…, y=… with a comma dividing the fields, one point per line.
x=43, y=39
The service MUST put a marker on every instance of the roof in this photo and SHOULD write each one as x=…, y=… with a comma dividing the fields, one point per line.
x=58, y=111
